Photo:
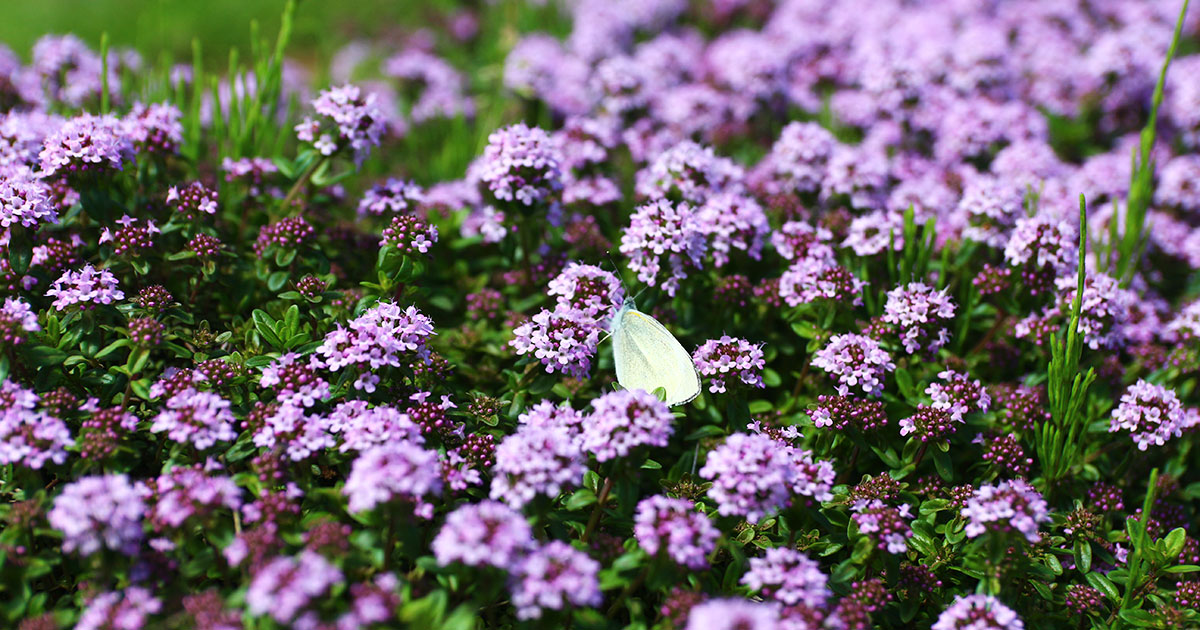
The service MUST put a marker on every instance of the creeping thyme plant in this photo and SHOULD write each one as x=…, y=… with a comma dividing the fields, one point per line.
x=323, y=345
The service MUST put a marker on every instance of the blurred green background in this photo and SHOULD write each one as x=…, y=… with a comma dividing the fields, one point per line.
x=155, y=27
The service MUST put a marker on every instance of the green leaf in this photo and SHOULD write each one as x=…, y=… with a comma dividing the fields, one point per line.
x=276, y=280
x=1175, y=539
x=1183, y=568
x=266, y=328
x=580, y=499
x=1140, y=618
x=43, y=356
x=1083, y=555
x=1104, y=585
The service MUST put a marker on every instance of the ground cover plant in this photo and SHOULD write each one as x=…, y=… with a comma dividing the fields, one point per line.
x=285, y=346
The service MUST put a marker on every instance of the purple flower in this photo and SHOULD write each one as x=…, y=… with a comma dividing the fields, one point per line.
x=855, y=360
x=25, y=201
x=991, y=207
x=978, y=612
x=921, y=314
x=86, y=288
x=1177, y=184
x=198, y=418
x=789, y=577
x=552, y=577
x=29, y=437
x=929, y=424
x=295, y=380
x=394, y=196
x=884, y=523
x=442, y=88
x=858, y=174
x=396, y=471
x=1012, y=505
x=796, y=240
x=192, y=200
x=842, y=412
x=521, y=165
x=291, y=430
x=68, y=71
x=798, y=159
x=958, y=394
x=119, y=610
x=189, y=492
x=156, y=128
x=752, y=476
x=86, y=144
x=286, y=586
x=589, y=289
x=814, y=278
x=384, y=335
x=288, y=233
x=870, y=234
x=733, y=614
x=410, y=235
x=689, y=172
x=547, y=414
x=254, y=170
x=131, y=239
x=1105, y=309
x=676, y=527
x=536, y=460
x=351, y=116
x=662, y=234
x=564, y=340
x=362, y=428
x=485, y=533
x=730, y=359
x=1185, y=325
x=732, y=221
x=1153, y=414
x=16, y=319
x=624, y=420
x=102, y=511
x=1041, y=244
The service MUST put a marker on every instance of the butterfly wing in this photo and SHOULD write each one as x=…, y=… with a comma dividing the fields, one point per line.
x=647, y=356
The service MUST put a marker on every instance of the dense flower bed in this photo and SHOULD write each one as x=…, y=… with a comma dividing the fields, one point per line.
x=283, y=355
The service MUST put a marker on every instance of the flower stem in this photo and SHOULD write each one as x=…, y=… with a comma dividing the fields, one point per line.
x=304, y=177
x=595, y=519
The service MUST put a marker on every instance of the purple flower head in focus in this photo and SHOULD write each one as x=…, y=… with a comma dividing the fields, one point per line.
x=663, y=238
x=856, y=361
x=86, y=288
x=350, y=119
x=536, y=460
x=1153, y=414
x=1010, y=506
x=624, y=420
x=730, y=360
x=789, y=577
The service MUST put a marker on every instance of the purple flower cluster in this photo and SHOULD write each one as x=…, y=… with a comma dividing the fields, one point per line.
x=442, y=88
x=921, y=314
x=676, y=527
x=99, y=512
x=588, y=289
x=1152, y=413
x=521, y=166
x=25, y=201
x=361, y=427
x=352, y=120
x=536, y=460
x=842, y=412
x=395, y=196
x=385, y=335
x=733, y=614
x=119, y=610
x=816, y=276
x=156, y=129
x=1010, y=506
x=730, y=360
x=1042, y=249
x=855, y=361
x=192, y=492
x=958, y=395
x=752, y=476
x=664, y=239
x=286, y=586
x=397, y=471
x=192, y=200
x=28, y=436
x=485, y=533
x=410, y=235
x=789, y=577
x=885, y=523
x=198, y=418
x=86, y=144
x=732, y=221
x=16, y=319
x=552, y=577
x=86, y=288
x=978, y=612
x=623, y=420
x=564, y=340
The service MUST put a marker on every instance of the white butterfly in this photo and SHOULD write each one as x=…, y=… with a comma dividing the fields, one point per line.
x=648, y=356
